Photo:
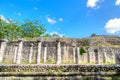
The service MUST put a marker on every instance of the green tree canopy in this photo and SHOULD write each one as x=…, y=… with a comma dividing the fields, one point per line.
x=12, y=29
x=31, y=29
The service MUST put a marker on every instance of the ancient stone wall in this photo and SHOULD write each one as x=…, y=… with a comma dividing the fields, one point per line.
x=55, y=51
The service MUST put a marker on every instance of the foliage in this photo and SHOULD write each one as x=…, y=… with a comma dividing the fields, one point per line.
x=93, y=35
x=12, y=29
x=81, y=50
x=47, y=36
x=32, y=29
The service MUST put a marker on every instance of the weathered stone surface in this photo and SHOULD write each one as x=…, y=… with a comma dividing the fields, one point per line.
x=68, y=52
x=59, y=68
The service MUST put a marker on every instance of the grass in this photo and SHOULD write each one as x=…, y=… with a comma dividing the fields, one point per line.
x=53, y=62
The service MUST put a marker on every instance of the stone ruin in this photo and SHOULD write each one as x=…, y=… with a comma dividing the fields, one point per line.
x=55, y=51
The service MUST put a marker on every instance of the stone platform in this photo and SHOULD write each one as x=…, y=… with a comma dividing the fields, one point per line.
x=59, y=72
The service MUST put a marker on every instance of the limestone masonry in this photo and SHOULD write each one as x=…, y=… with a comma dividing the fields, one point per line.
x=97, y=50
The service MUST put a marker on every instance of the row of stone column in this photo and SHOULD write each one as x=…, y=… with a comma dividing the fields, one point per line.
x=76, y=55
x=97, y=52
x=19, y=49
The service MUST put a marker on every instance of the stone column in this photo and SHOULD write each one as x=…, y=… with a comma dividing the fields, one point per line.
x=78, y=55
x=31, y=53
x=15, y=53
x=74, y=53
x=20, y=49
x=65, y=51
x=45, y=54
x=91, y=55
x=97, y=57
x=117, y=56
x=2, y=49
x=58, y=52
x=113, y=55
x=68, y=52
x=39, y=51
x=104, y=56
x=88, y=56
x=74, y=56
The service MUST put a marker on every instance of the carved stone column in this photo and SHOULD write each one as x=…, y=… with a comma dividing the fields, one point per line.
x=31, y=53
x=65, y=56
x=78, y=55
x=58, y=52
x=104, y=56
x=97, y=57
x=20, y=49
x=39, y=51
x=88, y=56
x=74, y=52
x=45, y=53
x=15, y=53
x=113, y=55
x=117, y=56
x=91, y=55
x=2, y=49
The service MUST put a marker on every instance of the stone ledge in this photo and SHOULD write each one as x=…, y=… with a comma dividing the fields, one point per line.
x=60, y=74
x=59, y=68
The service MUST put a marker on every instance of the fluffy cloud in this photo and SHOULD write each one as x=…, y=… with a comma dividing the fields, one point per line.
x=92, y=3
x=3, y=18
x=51, y=21
x=113, y=26
x=60, y=19
x=117, y=2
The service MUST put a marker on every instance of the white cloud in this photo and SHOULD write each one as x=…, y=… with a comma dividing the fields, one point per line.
x=117, y=2
x=19, y=14
x=92, y=3
x=60, y=19
x=113, y=26
x=3, y=18
x=51, y=21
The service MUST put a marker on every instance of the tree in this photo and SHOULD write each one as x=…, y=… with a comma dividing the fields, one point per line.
x=93, y=35
x=47, y=36
x=2, y=24
x=12, y=29
x=31, y=29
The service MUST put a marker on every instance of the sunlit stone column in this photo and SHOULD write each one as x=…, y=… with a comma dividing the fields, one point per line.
x=113, y=55
x=31, y=53
x=64, y=53
x=74, y=56
x=2, y=49
x=117, y=56
x=78, y=55
x=65, y=56
x=88, y=55
x=98, y=56
x=39, y=51
x=104, y=56
x=15, y=53
x=68, y=52
x=58, y=52
x=20, y=49
x=45, y=54
x=91, y=55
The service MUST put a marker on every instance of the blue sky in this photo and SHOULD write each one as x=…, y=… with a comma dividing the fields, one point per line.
x=72, y=18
